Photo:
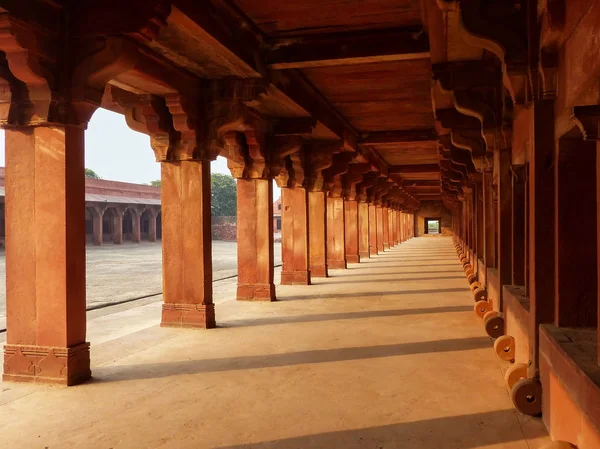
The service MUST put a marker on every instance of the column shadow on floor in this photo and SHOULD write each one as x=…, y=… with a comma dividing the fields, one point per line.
x=388, y=273
x=408, y=259
x=395, y=279
x=452, y=432
x=407, y=265
x=117, y=373
x=376, y=294
x=342, y=316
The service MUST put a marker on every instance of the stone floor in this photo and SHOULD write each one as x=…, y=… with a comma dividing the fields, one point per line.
x=387, y=354
x=120, y=272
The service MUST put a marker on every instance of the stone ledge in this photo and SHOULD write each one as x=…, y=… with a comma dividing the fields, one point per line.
x=514, y=298
x=571, y=354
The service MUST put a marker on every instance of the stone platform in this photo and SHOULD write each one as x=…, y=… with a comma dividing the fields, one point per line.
x=386, y=354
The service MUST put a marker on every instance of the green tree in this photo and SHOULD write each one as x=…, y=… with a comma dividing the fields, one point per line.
x=155, y=183
x=224, y=195
x=91, y=174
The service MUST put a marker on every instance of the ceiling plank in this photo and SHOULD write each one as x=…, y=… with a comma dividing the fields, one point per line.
x=349, y=49
x=420, y=168
x=420, y=183
x=400, y=136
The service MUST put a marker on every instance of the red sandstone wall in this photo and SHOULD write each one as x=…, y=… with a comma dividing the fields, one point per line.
x=112, y=188
x=116, y=188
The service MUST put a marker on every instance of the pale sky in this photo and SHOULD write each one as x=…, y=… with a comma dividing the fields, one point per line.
x=117, y=153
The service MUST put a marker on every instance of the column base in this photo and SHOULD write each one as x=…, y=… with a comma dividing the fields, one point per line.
x=319, y=272
x=47, y=364
x=353, y=258
x=363, y=255
x=337, y=264
x=295, y=278
x=188, y=315
x=256, y=292
x=379, y=249
x=386, y=246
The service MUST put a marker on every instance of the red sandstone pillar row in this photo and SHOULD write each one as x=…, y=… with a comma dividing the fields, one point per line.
x=351, y=230
x=152, y=225
x=186, y=245
x=294, y=236
x=379, y=221
x=400, y=227
x=386, y=227
x=372, y=230
x=404, y=227
x=255, y=240
x=45, y=256
x=393, y=234
x=136, y=226
x=541, y=243
x=504, y=208
x=97, y=226
x=336, y=246
x=394, y=228
x=117, y=226
x=317, y=233
x=363, y=230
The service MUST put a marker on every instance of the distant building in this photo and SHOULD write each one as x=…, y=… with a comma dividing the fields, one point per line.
x=277, y=215
x=115, y=211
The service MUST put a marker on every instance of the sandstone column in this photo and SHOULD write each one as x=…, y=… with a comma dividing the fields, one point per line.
x=136, y=226
x=380, y=232
x=351, y=230
x=363, y=230
x=255, y=240
x=152, y=225
x=187, y=244
x=294, y=233
x=336, y=247
x=395, y=226
x=117, y=226
x=317, y=234
x=504, y=243
x=386, y=227
x=97, y=215
x=45, y=256
x=372, y=230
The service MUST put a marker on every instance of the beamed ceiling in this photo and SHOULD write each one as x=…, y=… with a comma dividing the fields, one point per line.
x=369, y=73
x=370, y=61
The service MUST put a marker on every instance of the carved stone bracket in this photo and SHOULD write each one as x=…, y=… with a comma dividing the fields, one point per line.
x=57, y=73
x=353, y=176
x=587, y=119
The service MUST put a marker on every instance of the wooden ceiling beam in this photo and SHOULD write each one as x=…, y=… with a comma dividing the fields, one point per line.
x=420, y=168
x=400, y=136
x=348, y=49
x=421, y=183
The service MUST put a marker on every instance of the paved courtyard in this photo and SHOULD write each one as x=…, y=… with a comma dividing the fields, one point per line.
x=387, y=354
x=119, y=272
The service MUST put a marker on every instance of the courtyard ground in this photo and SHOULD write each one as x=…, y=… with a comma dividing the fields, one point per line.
x=387, y=354
x=120, y=272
